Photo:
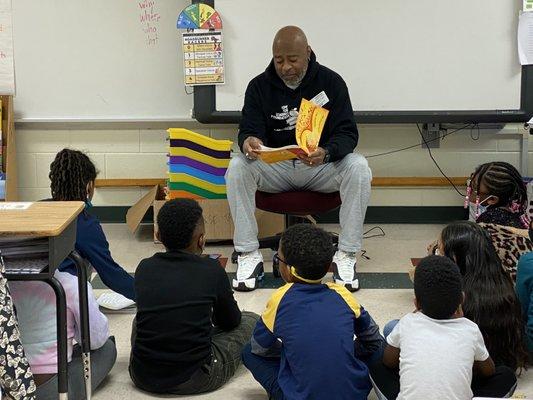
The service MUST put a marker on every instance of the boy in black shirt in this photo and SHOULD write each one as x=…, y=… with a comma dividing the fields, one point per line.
x=189, y=332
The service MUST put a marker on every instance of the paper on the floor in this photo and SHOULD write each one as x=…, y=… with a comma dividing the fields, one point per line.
x=115, y=301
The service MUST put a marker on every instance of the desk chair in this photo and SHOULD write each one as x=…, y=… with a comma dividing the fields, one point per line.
x=295, y=205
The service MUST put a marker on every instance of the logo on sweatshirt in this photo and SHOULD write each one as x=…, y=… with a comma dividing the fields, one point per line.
x=289, y=116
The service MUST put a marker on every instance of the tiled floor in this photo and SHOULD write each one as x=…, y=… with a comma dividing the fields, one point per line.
x=391, y=253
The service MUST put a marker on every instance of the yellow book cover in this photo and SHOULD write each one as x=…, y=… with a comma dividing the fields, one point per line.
x=309, y=126
x=273, y=155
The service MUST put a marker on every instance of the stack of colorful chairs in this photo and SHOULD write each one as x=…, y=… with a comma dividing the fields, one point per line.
x=197, y=165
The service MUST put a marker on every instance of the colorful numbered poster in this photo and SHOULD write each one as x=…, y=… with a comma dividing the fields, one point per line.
x=203, y=59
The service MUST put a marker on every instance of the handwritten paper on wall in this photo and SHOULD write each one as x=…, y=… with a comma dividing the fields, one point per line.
x=7, y=66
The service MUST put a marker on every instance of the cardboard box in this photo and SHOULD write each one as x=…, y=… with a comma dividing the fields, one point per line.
x=217, y=216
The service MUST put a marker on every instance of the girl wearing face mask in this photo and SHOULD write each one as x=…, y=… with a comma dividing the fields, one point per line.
x=496, y=194
x=72, y=176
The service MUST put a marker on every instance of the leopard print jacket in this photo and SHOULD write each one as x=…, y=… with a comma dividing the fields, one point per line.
x=510, y=244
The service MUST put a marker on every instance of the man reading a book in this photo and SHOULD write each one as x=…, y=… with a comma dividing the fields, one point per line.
x=269, y=118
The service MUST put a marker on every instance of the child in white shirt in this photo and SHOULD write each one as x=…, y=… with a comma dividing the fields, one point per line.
x=440, y=354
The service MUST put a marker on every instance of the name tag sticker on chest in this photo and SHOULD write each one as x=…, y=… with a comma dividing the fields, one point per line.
x=320, y=99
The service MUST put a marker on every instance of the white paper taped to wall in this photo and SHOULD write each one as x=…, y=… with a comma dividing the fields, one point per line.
x=525, y=38
x=7, y=62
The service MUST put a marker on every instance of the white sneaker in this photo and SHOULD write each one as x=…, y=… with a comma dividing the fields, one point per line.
x=344, y=264
x=249, y=271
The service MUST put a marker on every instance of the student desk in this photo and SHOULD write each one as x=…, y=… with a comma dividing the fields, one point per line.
x=50, y=226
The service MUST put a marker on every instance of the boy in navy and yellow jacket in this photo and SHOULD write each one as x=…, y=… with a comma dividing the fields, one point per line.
x=303, y=346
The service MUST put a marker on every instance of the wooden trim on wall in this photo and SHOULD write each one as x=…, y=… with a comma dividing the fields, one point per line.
x=404, y=181
x=9, y=153
x=129, y=182
x=410, y=181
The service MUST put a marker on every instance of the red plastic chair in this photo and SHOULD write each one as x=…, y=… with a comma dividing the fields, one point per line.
x=293, y=204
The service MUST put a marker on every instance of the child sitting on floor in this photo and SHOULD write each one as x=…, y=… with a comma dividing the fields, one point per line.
x=36, y=310
x=72, y=176
x=16, y=378
x=440, y=354
x=303, y=346
x=488, y=292
x=496, y=194
x=496, y=197
x=189, y=332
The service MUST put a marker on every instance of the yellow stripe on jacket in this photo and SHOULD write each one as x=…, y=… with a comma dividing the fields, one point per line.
x=269, y=315
x=347, y=297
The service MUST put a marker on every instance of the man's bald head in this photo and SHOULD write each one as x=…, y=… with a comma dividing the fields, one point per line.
x=291, y=54
x=291, y=35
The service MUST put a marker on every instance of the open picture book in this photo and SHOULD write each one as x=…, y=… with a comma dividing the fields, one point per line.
x=309, y=126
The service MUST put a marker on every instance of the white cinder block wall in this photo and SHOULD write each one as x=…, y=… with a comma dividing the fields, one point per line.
x=141, y=153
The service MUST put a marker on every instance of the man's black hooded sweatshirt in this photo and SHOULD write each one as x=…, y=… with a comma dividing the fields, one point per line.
x=269, y=105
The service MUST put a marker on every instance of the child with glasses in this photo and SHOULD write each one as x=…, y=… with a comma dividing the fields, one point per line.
x=303, y=346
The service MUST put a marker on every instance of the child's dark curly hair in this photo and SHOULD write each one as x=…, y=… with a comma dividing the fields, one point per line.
x=177, y=220
x=438, y=287
x=309, y=249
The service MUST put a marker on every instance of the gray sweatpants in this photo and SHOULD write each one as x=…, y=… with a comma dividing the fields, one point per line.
x=351, y=176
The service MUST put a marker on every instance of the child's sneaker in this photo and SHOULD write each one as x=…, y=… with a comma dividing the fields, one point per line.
x=249, y=271
x=344, y=264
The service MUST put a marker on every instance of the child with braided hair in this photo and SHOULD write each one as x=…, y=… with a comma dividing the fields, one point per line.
x=72, y=176
x=496, y=194
x=497, y=198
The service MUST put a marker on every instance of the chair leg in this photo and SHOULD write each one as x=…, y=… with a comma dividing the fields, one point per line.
x=275, y=268
x=295, y=219
x=271, y=242
x=335, y=238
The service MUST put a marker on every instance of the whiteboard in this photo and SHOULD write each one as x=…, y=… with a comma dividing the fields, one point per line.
x=99, y=60
x=394, y=55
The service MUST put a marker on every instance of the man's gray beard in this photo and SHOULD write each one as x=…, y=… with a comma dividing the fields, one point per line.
x=297, y=83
